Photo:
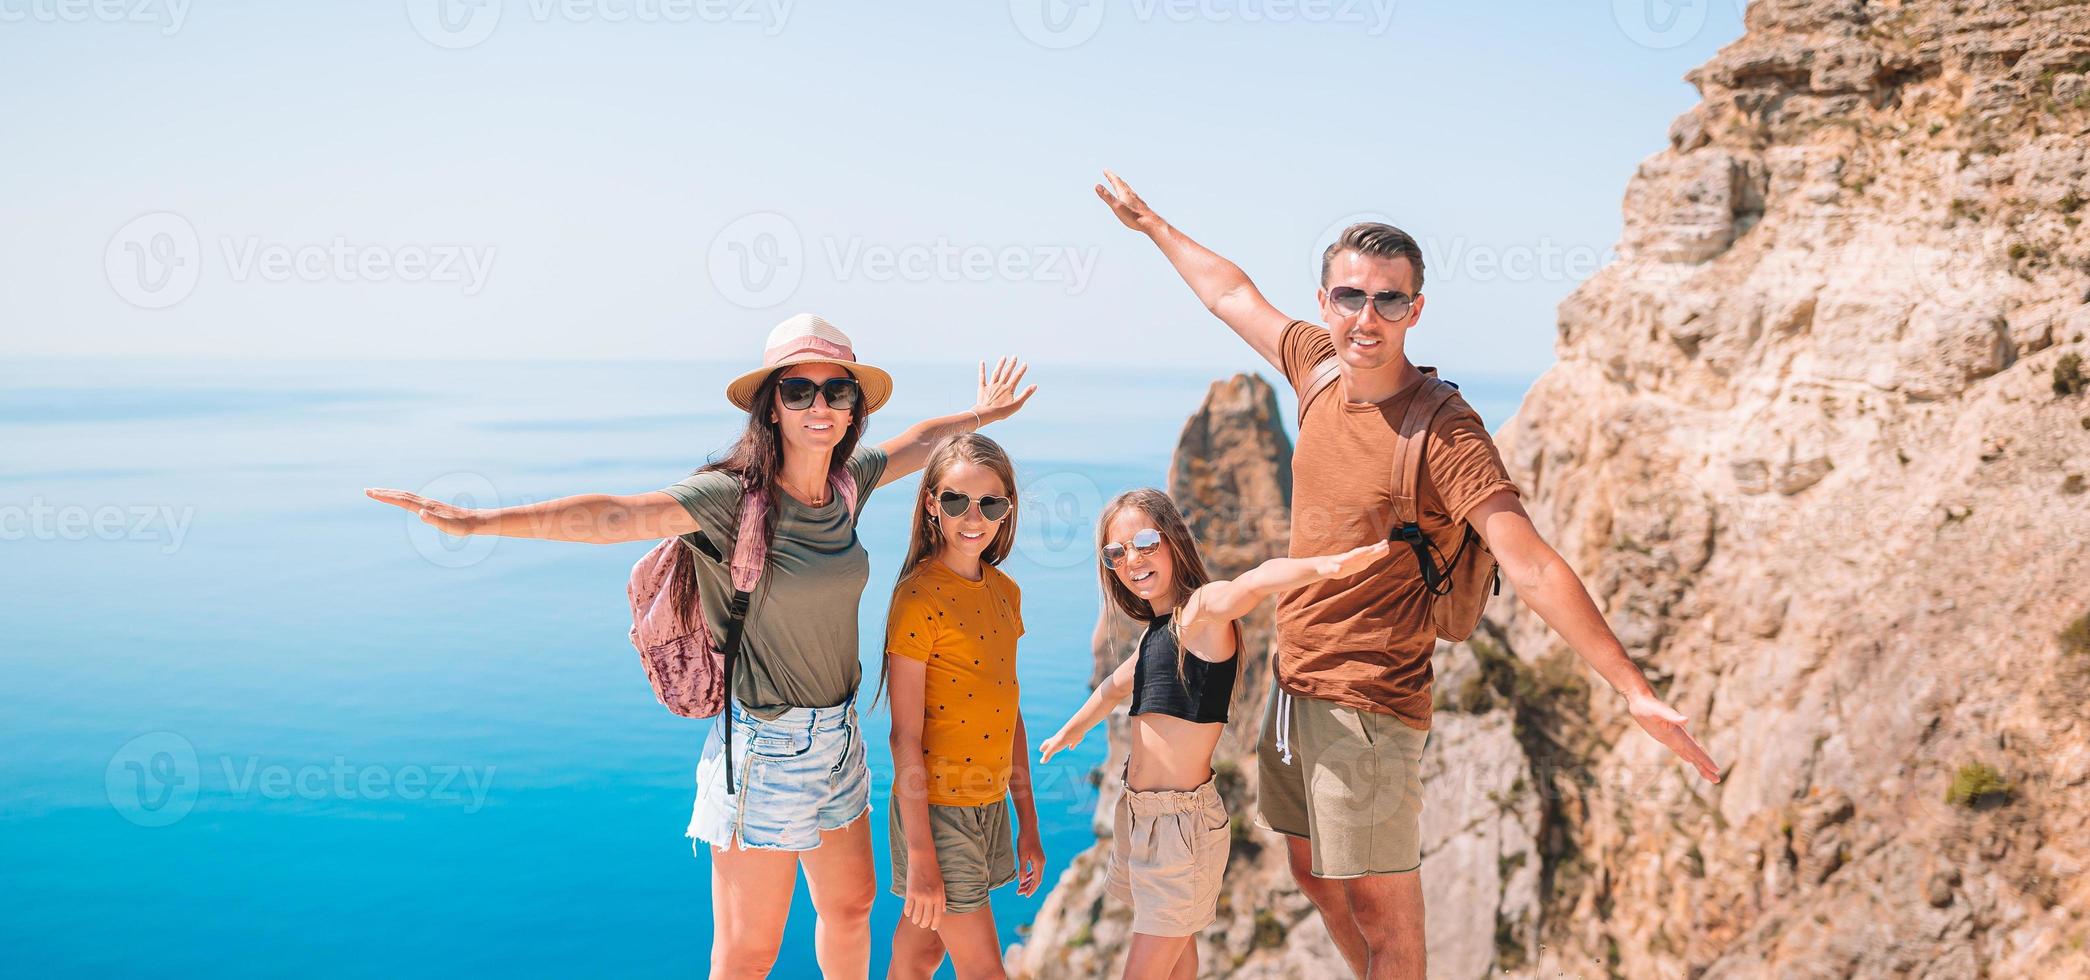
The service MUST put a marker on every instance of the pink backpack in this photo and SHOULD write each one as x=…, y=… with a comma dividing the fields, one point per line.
x=691, y=674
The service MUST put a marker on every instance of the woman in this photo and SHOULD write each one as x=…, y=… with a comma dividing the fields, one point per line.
x=794, y=689
x=1169, y=841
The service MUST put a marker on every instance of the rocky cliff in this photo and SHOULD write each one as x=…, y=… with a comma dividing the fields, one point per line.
x=1818, y=442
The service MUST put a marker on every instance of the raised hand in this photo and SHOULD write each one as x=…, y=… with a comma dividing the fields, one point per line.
x=1127, y=205
x=1667, y=726
x=446, y=518
x=998, y=398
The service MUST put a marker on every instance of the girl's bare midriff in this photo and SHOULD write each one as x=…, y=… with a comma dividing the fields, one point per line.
x=1169, y=753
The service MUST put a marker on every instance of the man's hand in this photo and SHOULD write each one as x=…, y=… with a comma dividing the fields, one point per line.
x=1127, y=205
x=1667, y=727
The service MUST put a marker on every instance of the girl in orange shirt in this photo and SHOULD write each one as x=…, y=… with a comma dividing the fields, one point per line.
x=959, y=749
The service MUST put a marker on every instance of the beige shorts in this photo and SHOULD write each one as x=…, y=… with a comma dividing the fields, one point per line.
x=1348, y=781
x=973, y=850
x=1167, y=857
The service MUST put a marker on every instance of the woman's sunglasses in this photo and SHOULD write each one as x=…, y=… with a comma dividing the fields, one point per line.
x=955, y=504
x=1391, y=304
x=1143, y=541
x=841, y=393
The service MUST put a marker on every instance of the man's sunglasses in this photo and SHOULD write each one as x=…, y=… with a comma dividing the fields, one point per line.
x=841, y=393
x=1391, y=304
x=955, y=504
x=1144, y=541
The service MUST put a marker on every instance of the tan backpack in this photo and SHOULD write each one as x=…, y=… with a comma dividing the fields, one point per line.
x=1460, y=585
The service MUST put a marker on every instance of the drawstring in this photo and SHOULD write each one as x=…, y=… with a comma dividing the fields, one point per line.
x=1284, y=725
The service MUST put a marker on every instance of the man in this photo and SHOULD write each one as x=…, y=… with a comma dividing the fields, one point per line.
x=1350, y=707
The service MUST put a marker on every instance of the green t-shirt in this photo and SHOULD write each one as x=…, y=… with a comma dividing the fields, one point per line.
x=801, y=622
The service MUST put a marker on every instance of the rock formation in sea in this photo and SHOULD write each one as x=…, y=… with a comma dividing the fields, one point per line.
x=1818, y=441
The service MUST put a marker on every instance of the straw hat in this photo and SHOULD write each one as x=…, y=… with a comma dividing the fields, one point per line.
x=808, y=339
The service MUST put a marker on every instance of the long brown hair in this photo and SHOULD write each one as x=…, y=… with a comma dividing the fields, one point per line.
x=755, y=459
x=927, y=537
x=1190, y=574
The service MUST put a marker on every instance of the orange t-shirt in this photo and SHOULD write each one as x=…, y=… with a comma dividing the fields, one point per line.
x=1365, y=641
x=965, y=633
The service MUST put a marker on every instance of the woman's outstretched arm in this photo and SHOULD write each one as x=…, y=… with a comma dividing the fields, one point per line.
x=591, y=518
x=998, y=399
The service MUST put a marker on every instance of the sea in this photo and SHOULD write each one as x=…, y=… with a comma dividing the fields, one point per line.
x=257, y=724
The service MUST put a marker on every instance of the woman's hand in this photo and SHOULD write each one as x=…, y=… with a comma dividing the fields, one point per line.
x=1059, y=742
x=998, y=398
x=1351, y=562
x=1030, y=862
x=460, y=521
x=1127, y=205
x=925, y=901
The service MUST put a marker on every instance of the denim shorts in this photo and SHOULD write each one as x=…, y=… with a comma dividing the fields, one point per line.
x=794, y=776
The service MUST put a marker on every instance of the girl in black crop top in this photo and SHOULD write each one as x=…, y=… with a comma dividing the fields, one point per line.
x=1181, y=686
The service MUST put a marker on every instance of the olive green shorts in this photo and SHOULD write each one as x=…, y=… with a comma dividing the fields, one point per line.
x=974, y=850
x=1348, y=781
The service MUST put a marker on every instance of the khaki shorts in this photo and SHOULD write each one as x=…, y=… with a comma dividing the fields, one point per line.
x=973, y=850
x=1348, y=781
x=1167, y=856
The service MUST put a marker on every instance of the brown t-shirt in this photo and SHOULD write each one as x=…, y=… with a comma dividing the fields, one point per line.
x=1365, y=641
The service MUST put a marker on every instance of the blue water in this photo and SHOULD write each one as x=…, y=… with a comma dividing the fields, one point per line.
x=255, y=723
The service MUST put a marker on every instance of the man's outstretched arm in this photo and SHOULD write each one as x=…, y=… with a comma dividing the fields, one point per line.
x=1553, y=590
x=1219, y=284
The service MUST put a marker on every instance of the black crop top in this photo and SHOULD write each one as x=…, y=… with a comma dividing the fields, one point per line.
x=1156, y=688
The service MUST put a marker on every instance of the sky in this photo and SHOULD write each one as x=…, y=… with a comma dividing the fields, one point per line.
x=667, y=179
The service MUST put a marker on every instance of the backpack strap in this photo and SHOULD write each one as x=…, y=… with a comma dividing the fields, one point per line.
x=750, y=559
x=1407, y=477
x=1324, y=374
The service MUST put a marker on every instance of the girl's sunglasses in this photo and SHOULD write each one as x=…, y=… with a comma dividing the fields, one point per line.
x=841, y=393
x=1391, y=304
x=955, y=504
x=1144, y=541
